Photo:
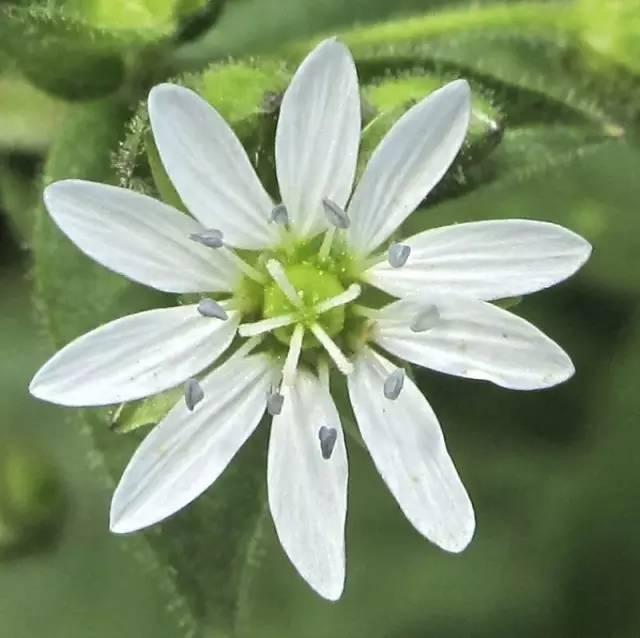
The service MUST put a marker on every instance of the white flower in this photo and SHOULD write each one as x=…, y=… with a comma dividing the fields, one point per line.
x=292, y=294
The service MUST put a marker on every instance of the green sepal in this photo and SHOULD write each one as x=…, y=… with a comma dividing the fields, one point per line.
x=164, y=187
x=508, y=302
x=29, y=118
x=388, y=98
x=144, y=413
x=61, y=54
x=243, y=92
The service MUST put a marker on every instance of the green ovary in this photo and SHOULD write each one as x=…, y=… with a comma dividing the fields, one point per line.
x=314, y=286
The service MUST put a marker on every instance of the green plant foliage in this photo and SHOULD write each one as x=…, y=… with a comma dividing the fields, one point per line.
x=28, y=117
x=540, y=104
x=19, y=194
x=60, y=54
x=604, y=581
x=153, y=17
x=32, y=501
x=144, y=413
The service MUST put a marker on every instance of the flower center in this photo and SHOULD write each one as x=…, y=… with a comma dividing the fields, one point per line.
x=314, y=286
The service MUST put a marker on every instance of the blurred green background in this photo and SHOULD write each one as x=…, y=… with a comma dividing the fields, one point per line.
x=554, y=475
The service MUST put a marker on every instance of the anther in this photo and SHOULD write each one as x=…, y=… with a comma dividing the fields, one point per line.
x=335, y=214
x=210, y=308
x=279, y=215
x=211, y=238
x=426, y=319
x=274, y=402
x=328, y=438
x=193, y=393
x=393, y=384
x=398, y=255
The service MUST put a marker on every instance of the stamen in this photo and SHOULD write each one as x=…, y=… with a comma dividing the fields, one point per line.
x=279, y=215
x=247, y=269
x=210, y=308
x=193, y=393
x=335, y=214
x=398, y=255
x=327, y=242
x=280, y=277
x=343, y=364
x=246, y=348
x=210, y=237
x=291, y=362
x=265, y=325
x=393, y=384
x=351, y=293
x=426, y=319
x=328, y=438
x=274, y=402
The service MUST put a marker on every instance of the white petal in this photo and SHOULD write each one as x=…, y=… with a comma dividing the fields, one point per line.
x=138, y=237
x=485, y=260
x=134, y=357
x=308, y=494
x=318, y=136
x=209, y=167
x=405, y=441
x=408, y=163
x=474, y=339
x=187, y=451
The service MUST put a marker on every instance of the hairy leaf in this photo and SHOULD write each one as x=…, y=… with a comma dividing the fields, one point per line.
x=28, y=117
x=60, y=54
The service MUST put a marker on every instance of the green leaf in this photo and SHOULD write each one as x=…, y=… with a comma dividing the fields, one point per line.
x=29, y=118
x=522, y=154
x=199, y=557
x=195, y=17
x=59, y=54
